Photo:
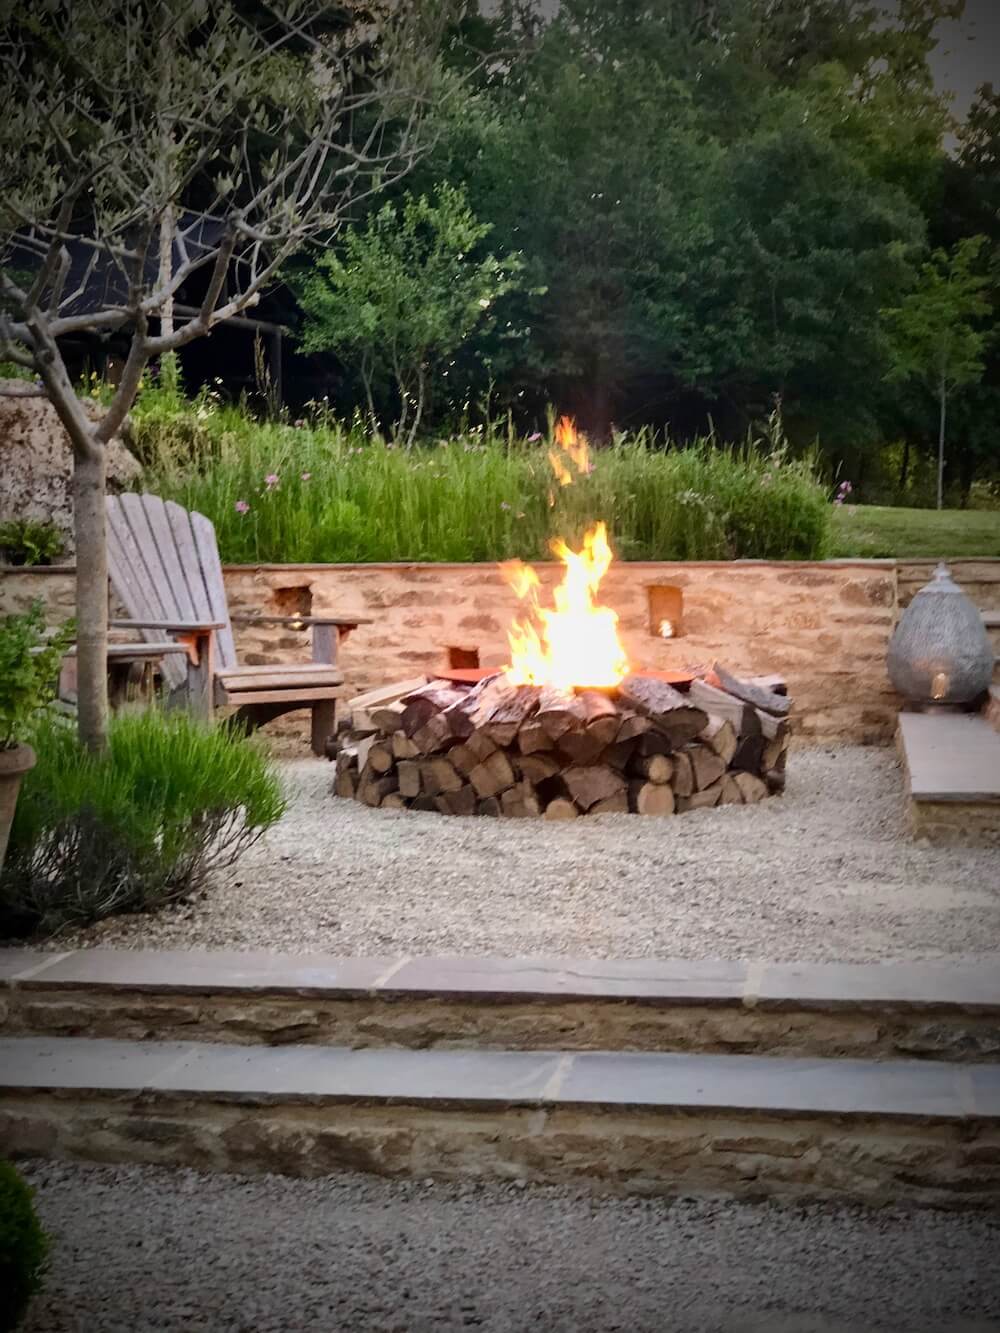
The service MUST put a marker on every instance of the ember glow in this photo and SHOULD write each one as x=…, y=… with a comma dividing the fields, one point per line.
x=575, y=642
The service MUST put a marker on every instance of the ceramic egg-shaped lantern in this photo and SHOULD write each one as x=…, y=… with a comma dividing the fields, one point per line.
x=940, y=652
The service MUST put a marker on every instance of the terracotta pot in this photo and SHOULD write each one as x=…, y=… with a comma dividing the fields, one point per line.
x=13, y=766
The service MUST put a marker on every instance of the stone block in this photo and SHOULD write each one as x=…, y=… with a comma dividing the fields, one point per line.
x=216, y=971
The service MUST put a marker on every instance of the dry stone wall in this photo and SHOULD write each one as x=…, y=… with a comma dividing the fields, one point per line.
x=36, y=478
x=825, y=626
x=794, y=1157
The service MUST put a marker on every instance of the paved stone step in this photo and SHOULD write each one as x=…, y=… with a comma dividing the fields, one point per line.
x=648, y=1123
x=930, y=1010
x=952, y=762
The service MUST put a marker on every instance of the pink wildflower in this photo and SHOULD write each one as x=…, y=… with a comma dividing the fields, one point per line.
x=242, y=507
x=306, y=476
x=271, y=480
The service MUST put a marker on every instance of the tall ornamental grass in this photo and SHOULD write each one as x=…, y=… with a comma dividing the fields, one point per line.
x=322, y=492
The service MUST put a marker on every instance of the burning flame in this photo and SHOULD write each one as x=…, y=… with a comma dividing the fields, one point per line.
x=575, y=643
x=574, y=446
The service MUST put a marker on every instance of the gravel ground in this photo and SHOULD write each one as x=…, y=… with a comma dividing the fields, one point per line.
x=827, y=872
x=150, y=1250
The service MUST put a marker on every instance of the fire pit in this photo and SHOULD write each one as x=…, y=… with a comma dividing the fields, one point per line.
x=567, y=727
x=492, y=747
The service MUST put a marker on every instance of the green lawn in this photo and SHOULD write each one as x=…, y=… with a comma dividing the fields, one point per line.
x=871, y=530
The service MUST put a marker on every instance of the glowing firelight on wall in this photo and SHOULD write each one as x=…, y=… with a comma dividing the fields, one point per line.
x=666, y=629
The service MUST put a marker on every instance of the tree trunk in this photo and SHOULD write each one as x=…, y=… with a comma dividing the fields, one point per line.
x=366, y=380
x=904, y=468
x=169, y=376
x=421, y=393
x=944, y=417
x=89, y=520
x=600, y=406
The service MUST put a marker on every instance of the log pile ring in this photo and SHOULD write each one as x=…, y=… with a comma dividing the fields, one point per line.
x=495, y=748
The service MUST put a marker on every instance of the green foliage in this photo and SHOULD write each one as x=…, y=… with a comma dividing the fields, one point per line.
x=167, y=429
x=12, y=370
x=873, y=532
x=323, y=493
x=24, y=1247
x=29, y=541
x=29, y=670
x=712, y=199
x=935, y=332
x=403, y=293
x=135, y=827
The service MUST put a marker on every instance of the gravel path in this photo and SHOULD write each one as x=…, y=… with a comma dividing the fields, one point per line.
x=827, y=872
x=149, y=1250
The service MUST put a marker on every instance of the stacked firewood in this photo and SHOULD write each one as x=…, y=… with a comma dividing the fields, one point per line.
x=493, y=748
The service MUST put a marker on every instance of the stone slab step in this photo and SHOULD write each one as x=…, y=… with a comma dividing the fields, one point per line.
x=931, y=1010
x=646, y=1122
x=951, y=757
x=952, y=762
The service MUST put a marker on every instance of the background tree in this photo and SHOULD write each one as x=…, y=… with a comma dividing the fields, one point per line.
x=607, y=148
x=935, y=332
x=230, y=136
x=402, y=294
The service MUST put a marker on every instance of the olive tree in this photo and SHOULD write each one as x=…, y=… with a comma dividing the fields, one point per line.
x=182, y=144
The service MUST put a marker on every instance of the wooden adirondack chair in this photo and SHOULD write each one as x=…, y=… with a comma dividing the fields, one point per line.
x=165, y=570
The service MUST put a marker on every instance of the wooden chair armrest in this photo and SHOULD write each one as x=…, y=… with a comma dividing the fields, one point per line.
x=194, y=635
x=171, y=626
x=140, y=650
x=327, y=631
x=342, y=622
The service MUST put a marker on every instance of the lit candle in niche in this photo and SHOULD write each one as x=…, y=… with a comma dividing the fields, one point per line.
x=939, y=686
x=666, y=610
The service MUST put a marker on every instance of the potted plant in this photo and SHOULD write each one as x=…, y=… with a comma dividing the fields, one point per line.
x=29, y=671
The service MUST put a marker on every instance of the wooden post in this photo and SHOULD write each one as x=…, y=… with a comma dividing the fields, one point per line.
x=324, y=712
x=200, y=671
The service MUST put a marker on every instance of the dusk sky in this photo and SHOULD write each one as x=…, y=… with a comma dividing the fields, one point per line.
x=969, y=52
x=967, y=57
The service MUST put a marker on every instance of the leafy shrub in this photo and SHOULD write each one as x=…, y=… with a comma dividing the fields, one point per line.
x=133, y=828
x=167, y=430
x=29, y=670
x=23, y=1248
x=28, y=541
x=324, y=493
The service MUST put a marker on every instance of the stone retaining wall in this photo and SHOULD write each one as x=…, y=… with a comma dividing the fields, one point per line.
x=824, y=625
x=654, y=1152
x=881, y=1031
